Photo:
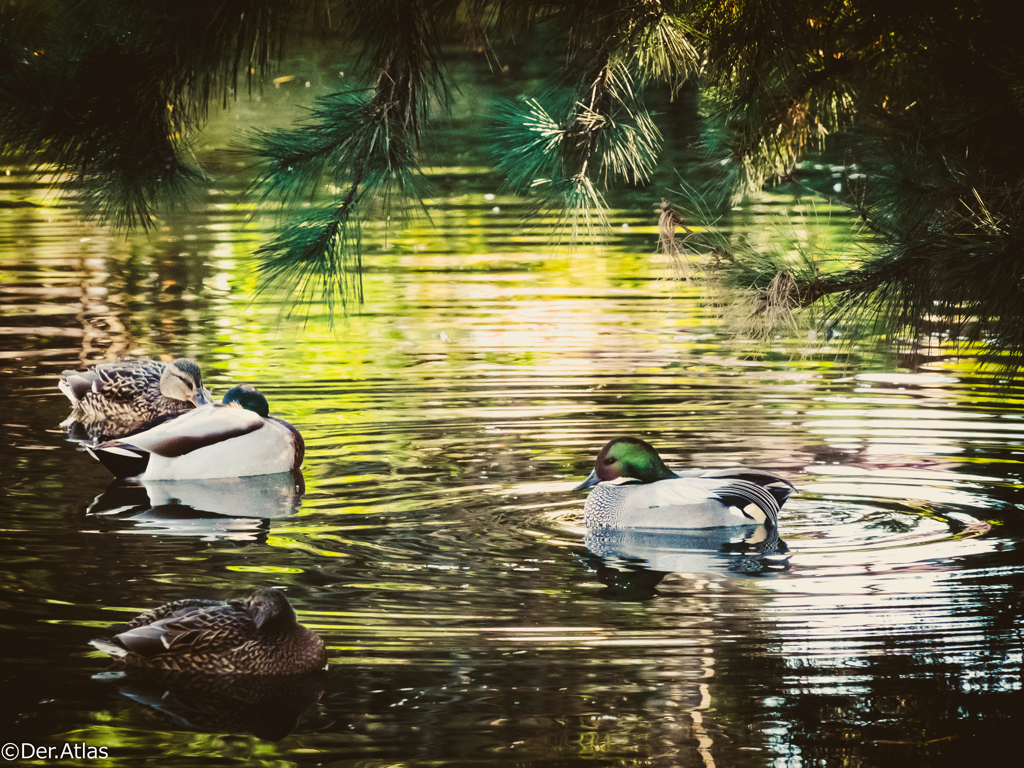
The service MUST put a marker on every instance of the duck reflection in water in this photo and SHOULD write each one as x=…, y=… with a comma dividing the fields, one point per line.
x=632, y=563
x=231, y=507
x=267, y=706
x=233, y=665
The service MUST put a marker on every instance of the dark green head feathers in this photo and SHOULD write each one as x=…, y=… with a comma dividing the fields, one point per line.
x=628, y=457
x=248, y=397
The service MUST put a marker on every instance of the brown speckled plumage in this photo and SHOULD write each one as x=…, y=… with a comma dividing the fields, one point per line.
x=134, y=394
x=257, y=636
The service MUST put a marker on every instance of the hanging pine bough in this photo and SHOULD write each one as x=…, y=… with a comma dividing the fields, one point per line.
x=367, y=148
x=923, y=101
x=364, y=146
x=926, y=105
x=760, y=291
x=107, y=93
x=568, y=144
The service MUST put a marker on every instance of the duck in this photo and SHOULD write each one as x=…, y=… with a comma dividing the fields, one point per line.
x=632, y=488
x=259, y=635
x=235, y=438
x=134, y=394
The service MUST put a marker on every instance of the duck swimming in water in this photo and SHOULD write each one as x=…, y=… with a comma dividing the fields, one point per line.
x=632, y=488
x=134, y=394
x=238, y=438
x=256, y=636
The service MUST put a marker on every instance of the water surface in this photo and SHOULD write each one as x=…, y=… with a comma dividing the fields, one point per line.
x=438, y=547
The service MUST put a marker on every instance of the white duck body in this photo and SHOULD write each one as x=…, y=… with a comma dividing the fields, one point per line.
x=210, y=442
x=632, y=488
x=681, y=503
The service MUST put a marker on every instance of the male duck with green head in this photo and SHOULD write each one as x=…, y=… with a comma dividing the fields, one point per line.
x=238, y=438
x=632, y=488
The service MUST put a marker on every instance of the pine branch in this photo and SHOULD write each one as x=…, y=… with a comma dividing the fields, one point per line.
x=87, y=82
x=312, y=258
x=363, y=143
x=567, y=144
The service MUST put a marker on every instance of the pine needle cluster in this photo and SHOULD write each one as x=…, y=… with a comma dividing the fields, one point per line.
x=579, y=137
x=108, y=92
x=761, y=285
x=362, y=143
x=925, y=103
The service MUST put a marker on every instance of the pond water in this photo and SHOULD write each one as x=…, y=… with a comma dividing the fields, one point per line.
x=435, y=542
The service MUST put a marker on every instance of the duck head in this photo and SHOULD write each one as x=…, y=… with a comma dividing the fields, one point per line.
x=248, y=397
x=182, y=380
x=630, y=458
x=270, y=608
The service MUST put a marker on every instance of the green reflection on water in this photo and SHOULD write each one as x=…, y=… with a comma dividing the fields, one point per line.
x=261, y=569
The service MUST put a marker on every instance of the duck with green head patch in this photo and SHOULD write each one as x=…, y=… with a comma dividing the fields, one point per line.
x=238, y=438
x=257, y=636
x=632, y=488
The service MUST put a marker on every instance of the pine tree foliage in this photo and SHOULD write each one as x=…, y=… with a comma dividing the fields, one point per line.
x=108, y=92
x=772, y=87
x=924, y=101
x=363, y=144
x=569, y=143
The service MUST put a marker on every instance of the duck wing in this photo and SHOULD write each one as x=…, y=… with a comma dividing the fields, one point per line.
x=779, y=487
x=195, y=429
x=743, y=493
x=171, y=610
x=696, y=491
x=123, y=382
x=194, y=630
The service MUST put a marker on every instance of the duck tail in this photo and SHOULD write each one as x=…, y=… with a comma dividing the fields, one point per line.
x=110, y=648
x=76, y=385
x=780, y=492
x=121, y=459
x=743, y=493
x=779, y=487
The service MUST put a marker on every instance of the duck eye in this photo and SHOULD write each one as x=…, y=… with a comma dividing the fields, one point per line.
x=609, y=460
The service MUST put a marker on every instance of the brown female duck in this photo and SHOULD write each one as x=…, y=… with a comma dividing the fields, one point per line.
x=257, y=636
x=135, y=393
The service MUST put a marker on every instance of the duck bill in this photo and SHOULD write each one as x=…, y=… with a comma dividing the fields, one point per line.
x=590, y=482
x=202, y=397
